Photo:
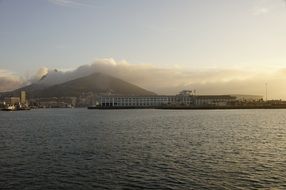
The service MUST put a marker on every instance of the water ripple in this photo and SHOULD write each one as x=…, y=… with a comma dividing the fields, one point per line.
x=143, y=149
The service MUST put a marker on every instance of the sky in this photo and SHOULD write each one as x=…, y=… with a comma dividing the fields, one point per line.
x=215, y=46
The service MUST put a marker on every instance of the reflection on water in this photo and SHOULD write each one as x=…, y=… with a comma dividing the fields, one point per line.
x=143, y=149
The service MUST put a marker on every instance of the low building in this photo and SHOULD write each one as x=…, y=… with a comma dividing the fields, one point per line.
x=12, y=100
x=54, y=102
x=184, y=98
x=86, y=99
x=213, y=100
x=134, y=101
x=248, y=98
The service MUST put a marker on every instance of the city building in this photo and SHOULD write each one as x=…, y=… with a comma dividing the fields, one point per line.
x=214, y=100
x=54, y=102
x=86, y=99
x=12, y=100
x=248, y=98
x=23, y=97
x=185, y=98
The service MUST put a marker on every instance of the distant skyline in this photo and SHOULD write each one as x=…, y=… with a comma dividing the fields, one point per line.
x=221, y=46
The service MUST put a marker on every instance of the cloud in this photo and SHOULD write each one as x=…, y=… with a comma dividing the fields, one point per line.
x=172, y=80
x=164, y=80
x=262, y=7
x=41, y=73
x=73, y=3
x=63, y=2
x=10, y=81
x=260, y=11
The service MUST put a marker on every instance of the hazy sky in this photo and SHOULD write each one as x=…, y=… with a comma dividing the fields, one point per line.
x=193, y=35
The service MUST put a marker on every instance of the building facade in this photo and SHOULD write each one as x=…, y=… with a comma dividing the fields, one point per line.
x=145, y=101
x=11, y=100
x=184, y=98
x=157, y=101
x=63, y=102
x=214, y=100
x=23, y=97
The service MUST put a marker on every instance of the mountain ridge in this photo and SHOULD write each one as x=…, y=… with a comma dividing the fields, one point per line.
x=98, y=83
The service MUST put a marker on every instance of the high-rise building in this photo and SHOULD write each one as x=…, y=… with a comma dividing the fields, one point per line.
x=23, y=97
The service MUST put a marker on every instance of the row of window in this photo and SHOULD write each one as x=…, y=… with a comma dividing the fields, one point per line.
x=144, y=100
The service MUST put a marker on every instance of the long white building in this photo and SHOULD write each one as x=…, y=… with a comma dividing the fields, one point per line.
x=142, y=101
x=184, y=98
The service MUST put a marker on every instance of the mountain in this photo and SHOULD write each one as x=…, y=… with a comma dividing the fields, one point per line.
x=97, y=83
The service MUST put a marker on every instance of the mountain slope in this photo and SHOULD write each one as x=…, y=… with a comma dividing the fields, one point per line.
x=97, y=83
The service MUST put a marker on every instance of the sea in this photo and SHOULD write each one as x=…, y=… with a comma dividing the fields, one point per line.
x=143, y=149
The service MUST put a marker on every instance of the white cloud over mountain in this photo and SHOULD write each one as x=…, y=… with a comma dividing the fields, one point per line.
x=168, y=80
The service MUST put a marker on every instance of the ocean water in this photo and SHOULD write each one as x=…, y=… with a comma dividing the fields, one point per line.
x=142, y=149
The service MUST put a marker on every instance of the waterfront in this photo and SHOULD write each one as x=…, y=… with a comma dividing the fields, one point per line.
x=143, y=149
